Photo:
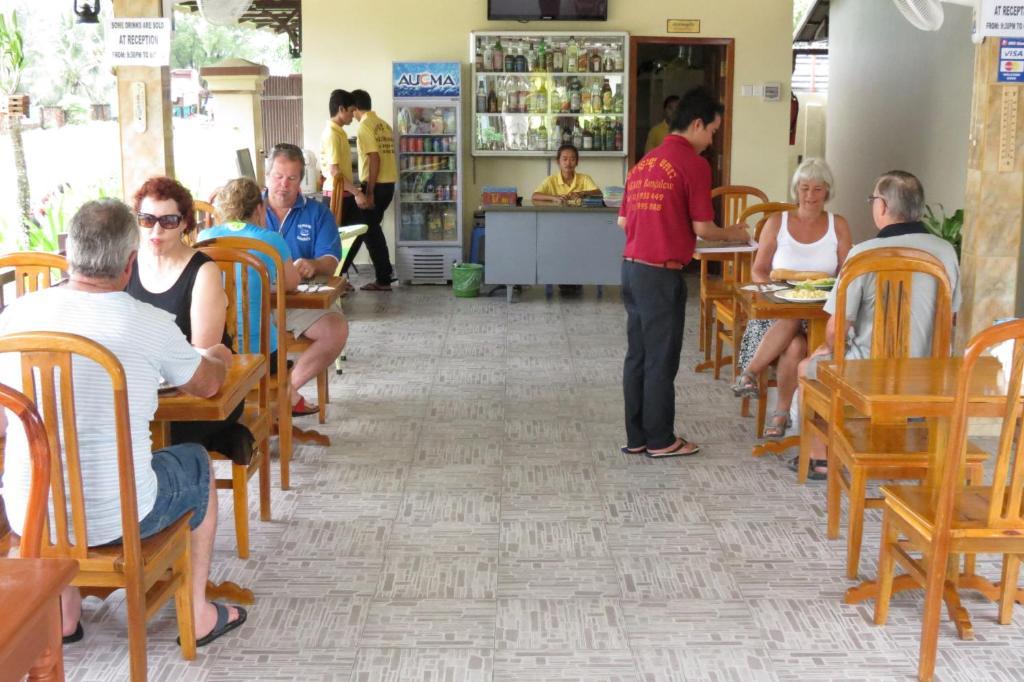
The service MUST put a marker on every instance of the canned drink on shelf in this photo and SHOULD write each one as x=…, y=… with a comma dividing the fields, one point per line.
x=417, y=144
x=403, y=144
x=428, y=144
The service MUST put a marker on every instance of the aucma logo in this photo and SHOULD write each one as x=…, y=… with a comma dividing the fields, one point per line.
x=427, y=80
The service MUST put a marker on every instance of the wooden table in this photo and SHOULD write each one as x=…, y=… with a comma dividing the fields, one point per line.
x=757, y=305
x=888, y=390
x=243, y=376
x=328, y=294
x=30, y=629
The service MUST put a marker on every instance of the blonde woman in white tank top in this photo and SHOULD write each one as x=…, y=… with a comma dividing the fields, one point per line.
x=809, y=238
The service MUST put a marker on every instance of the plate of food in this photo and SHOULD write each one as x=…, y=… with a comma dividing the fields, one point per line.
x=803, y=295
x=825, y=283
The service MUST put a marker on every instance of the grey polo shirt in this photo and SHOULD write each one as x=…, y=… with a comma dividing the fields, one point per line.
x=860, y=296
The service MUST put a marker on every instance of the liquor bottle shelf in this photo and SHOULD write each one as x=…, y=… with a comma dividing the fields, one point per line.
x=554, y=114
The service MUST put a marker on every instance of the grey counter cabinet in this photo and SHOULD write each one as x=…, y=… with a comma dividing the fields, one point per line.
x=553, y=245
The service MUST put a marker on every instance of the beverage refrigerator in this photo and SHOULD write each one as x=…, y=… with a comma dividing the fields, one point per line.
x=428, y=198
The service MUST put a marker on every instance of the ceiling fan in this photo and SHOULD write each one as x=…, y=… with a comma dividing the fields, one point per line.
x=927, y=15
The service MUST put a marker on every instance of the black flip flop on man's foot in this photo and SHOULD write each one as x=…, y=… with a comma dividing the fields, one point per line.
x=222, y=626
x=626, y=450
x=812, y=469
x=75, y=636
x=682, y=448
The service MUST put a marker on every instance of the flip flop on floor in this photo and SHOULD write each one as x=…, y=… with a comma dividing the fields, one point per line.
x=75, y=636
x=376, y=286
x=302, y=408
x=683, y=448
x=812, y=470
x=222, y=626
x=626, y=450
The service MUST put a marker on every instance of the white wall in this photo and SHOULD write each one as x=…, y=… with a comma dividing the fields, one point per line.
x=899, y=98
x=345, y=47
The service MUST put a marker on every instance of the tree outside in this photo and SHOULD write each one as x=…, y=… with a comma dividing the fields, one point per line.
x=64, y=68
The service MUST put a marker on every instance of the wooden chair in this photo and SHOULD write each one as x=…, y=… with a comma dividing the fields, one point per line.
x=206, y=214
x=280, y=391
x=725, y=309
x=39, y=450
x=241, y=270
x=34, y=270
x=859, y=450
x=733, y=200
x=942, y=519
x=151, y=571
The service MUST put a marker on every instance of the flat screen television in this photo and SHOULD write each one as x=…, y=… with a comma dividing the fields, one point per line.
x=558, y=10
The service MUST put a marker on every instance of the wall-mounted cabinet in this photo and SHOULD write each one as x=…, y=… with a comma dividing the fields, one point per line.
x=534, y=92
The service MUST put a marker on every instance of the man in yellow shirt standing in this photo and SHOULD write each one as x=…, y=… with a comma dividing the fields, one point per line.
x=335, y=152
x=378, y=172
x=566, y=186
x=658, y=132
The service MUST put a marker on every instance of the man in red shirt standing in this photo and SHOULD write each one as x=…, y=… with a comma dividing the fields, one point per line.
x=667, y=205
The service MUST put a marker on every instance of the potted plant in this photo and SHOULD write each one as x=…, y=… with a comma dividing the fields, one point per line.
x=948, y=227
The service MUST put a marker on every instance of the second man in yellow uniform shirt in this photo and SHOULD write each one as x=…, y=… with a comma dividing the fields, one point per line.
x=378, y=172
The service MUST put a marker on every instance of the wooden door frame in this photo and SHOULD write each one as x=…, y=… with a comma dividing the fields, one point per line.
x=730, y=61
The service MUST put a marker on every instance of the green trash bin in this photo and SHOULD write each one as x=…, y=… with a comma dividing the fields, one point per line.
x=466, y=279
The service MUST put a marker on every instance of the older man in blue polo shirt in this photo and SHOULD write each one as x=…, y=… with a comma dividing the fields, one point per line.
x=309, y=229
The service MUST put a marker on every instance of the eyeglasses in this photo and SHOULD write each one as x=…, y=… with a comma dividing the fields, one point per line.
x=168, y=222
x=872, y=197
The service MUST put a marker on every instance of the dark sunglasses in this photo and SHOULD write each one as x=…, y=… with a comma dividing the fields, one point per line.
x=168, y=222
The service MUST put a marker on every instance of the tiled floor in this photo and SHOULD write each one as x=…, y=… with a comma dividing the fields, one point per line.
x=474, y=520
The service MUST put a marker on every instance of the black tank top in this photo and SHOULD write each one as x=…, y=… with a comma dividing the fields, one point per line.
x=177, y=300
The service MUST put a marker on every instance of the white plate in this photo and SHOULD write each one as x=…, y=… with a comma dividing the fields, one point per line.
x=819, y=296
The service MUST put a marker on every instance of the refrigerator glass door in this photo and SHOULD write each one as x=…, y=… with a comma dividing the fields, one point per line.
x=428, y=172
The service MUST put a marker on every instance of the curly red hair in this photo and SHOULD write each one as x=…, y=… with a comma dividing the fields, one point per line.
x=162, y=188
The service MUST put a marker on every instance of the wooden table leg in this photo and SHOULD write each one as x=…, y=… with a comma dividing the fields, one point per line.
x=50, y=664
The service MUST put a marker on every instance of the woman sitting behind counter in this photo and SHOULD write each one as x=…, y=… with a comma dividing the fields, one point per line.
x=566, y=186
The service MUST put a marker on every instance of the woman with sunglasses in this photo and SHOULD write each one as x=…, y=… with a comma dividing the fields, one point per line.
x=173, y=276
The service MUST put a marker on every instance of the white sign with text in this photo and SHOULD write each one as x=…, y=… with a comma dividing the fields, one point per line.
x=139, y=41
x=1002, y=18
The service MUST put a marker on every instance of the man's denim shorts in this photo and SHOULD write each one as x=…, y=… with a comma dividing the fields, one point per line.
x=182, y=485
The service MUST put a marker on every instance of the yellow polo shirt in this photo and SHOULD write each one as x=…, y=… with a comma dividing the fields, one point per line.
x=555, y=186
x=374, y=135
x=335, y=149
x=656, y=136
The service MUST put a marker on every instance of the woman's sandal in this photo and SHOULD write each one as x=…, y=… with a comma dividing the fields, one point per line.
x=777, y=424
x=812, y=469
x=745, y=386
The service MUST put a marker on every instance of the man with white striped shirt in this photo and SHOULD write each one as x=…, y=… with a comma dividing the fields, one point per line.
x=103, y=242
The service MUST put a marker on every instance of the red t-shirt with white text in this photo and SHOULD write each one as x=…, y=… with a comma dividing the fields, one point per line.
x=666, y=192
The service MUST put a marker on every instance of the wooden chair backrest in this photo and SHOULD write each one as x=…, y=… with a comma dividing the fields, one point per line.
x=893, y=270
x=734, y=199
x=762, y=212
x=46, y=374
x=206, y=214
x=1007, y=497
x=39, y=451
x=34, y=270
x=277, y=307
x=239, y=271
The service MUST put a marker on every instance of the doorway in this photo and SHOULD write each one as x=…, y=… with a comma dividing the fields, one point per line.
x=663, y=66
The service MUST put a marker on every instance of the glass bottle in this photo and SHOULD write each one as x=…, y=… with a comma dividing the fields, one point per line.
x=598, y=136
x=607, y=98
x=531, y=59
x=595, y=59
x=554, y=99
x=609, y=137
x=542, y=56
x=596, y=102
x=481, y=98
x=583, y=63
x=572, y=53
x=609, y=61
x=577, y=135
x=618, y=99
x=617, y=56
x=488, y=56
x=479, y=65
x=542, y=137
x=557, y=59
x=510, y=105
x=499, y=57
x=566, y=135
x=575, y=97
x=520, y=60
x=588, y=139
x=492, y=100
x=540, y=101
x=524, y=95
x=586, y=105
x=618, y=137
x=510, y=59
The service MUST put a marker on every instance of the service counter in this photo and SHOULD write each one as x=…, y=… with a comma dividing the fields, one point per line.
x=553, y=245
